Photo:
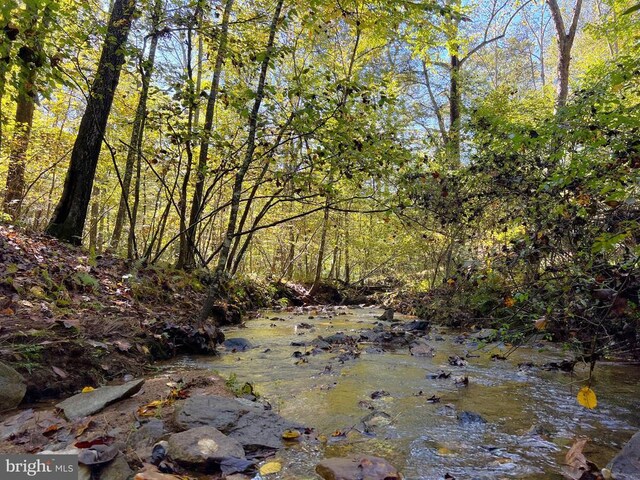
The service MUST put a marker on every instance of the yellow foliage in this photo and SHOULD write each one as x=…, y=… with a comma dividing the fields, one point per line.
x=271, y=467
x=587, y=398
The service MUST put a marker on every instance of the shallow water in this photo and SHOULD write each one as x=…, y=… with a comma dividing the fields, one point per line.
x=425, y=440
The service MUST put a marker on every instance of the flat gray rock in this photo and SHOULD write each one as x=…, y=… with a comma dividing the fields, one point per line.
x=626, y=465
x=256, y=430
x=219, y=412
x=12, y=387
x=248, y=422
x=84, y=404
x=203, y=448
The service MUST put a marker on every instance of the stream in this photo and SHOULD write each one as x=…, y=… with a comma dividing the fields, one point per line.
x=531, y=414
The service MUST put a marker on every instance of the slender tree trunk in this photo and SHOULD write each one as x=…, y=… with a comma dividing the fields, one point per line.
x=223, y=257
x=455, y=101
x=17, y=157
x=93, y=224
x=31, y=58
x=323, y=242
x=565, y=43
x=183, y=247
x=137, y=132
x=197, y=202
x=132, y=248
x=70, y=215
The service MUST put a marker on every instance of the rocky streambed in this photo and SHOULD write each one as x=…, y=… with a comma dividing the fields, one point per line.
x=339, y=393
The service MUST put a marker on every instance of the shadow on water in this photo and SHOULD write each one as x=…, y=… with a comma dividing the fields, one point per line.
x=531, y=415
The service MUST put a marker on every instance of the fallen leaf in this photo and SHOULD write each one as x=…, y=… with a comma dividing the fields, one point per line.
x=94, y=442
x=271, y=467
x=58, y=371
x=541, y=323
x=83, y=428
x=7, y=311
x=87, y=389
x=37, y=292
x=587, y=398
x=290, y=434
x=50, y=430
x=151, y=408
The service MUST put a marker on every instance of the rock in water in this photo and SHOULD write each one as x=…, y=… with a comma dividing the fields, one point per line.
x=12, y=387
x=237, y=344
x=387, y=316
x=470, y=418
x=247, y=422
x=357, y=467
x=626, y=465
x=203, y=448
x=84, y=404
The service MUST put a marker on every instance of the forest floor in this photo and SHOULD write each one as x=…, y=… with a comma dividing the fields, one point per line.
x=70, y=320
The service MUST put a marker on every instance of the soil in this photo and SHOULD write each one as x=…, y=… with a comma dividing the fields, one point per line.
x=70, y=320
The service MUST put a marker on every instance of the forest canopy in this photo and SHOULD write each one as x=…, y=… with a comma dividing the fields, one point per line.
x=489, y=149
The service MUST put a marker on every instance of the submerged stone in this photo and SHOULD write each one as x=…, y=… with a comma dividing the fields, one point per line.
x=357, y=467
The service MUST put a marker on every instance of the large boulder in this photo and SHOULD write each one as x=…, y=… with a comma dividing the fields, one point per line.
x=84, y=404
x=12, y=387
x=357, y=467
x=203, y=448
x=626, y=465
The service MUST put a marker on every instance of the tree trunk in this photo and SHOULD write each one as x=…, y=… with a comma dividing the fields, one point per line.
x=455, y=101
x=183, y=248
x=197, y=202
x=31, y=58
x=137, y=132
x=70, y=215
x=565, y=43
x=223, y=257
x=323, y=243
x=93, y=225
x=17, y=157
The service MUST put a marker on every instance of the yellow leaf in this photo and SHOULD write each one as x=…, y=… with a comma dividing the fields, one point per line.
x=87, y=389
x=37, y=292
x=444, y=452
x=509, y=302
x=271, y=467
x=541, y=323
x=587, y=398
x=290, y=434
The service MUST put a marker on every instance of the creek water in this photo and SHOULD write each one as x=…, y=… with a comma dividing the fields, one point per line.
x=532, y=416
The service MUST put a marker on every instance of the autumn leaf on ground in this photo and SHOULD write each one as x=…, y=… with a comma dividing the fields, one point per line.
x=577, y=467
x=271, y=467
x=87, y=389
x=540, y=323
x=290, y=434
x=587, y=398
x=151, y=408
